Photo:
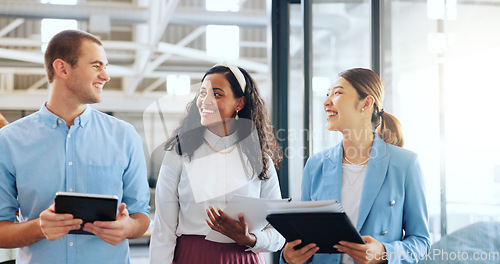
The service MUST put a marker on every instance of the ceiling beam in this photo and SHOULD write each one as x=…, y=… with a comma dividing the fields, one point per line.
x=13, y=25
x=184, y=42
x=37, y=84
x=28, y=56
x=129, y=14
x=118, y=13
x=154, y=85
x=112, y=101
x=202, y=55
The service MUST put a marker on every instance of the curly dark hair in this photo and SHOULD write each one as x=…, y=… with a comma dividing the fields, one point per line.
x=189, y=132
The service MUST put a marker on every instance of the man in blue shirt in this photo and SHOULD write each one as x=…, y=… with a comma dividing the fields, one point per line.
x=68, y=146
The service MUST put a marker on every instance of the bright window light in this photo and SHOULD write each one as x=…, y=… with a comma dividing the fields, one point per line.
x=59, y=2
x=50, y=27
x=451, y=9
x=223, y=41
x=223, y=5
x=178, y=84
x=436, y=9
x=320, y=84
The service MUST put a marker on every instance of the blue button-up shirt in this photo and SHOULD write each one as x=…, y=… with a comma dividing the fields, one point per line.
x=40, y=155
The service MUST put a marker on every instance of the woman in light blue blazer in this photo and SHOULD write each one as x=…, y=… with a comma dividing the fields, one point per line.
x=378, y=183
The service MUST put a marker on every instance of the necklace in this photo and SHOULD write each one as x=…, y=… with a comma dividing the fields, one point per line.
x=350, y=162
x=352, y=171
x=220, y=152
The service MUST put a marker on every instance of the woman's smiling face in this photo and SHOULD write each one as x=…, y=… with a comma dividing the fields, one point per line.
x=342, y=106
x=216, y=102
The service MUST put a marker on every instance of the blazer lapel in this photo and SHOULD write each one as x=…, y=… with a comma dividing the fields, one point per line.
x=374, y=178
x=332, y=174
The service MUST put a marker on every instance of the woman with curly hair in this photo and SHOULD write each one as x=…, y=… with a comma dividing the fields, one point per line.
x=224, y=145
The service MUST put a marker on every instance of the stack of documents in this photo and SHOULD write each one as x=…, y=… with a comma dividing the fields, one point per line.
x=254, y=210
x=321, y=222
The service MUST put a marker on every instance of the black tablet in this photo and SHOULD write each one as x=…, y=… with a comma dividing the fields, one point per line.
x=86, y=206
x=325, y=229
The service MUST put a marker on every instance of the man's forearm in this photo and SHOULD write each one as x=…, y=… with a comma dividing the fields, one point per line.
x=141, y=224
x=16, y=235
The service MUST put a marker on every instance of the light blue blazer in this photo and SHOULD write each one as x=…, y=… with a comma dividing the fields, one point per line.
x=392, y=210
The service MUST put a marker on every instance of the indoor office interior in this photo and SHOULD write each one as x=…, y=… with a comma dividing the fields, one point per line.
x=438, y=59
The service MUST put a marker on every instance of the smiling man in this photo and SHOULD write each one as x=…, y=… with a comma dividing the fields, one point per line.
x=68, y=146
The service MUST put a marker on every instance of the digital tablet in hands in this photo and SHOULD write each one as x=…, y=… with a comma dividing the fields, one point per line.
x=86, y=206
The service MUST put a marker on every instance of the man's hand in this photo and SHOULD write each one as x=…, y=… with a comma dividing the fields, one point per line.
x=112, y=232
x=55, y=226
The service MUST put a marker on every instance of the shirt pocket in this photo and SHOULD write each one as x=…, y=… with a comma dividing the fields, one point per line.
x=105, y=180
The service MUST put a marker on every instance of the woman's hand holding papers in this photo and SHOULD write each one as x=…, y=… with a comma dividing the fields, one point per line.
x=298, y=256
x=236, y=230
x=371, y=252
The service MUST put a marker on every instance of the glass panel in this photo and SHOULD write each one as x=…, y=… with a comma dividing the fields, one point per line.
x=411, y=79
x=340, y=40
x=295, y=151
x=442, y=75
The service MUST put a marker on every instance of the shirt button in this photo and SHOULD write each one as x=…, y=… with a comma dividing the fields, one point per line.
x=70, y=163
x=69, y=135
x=393, y=203
x=70, y=244
x=59, y=121
x=384, y=233
x=70, y=189
x=54, y=125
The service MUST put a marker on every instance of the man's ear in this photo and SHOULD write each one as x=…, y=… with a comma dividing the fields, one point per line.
x=61, y=69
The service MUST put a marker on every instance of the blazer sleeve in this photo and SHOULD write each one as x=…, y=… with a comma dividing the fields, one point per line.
x=416, y=242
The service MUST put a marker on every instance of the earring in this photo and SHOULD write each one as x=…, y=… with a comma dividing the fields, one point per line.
x=237, y=117
x=362, y=109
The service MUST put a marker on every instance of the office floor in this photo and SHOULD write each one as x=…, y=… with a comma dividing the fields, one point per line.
x=139, y=254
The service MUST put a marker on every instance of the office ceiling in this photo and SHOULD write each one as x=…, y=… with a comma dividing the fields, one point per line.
x=145, y=41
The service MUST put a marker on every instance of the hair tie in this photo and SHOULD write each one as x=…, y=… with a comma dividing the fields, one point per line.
x=236, y=72
x=381, y=112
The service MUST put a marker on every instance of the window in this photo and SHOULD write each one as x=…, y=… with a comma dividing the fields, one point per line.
x=223, y=5
x=223, y=41
x=50, y=27
x=178, y=84
x=59, y=2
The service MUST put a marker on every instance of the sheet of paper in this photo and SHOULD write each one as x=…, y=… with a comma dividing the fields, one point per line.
x=307, y=207
x=254, y=211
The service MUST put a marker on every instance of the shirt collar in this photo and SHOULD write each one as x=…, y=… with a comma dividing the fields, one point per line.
x=217, y=142
x=54, y=121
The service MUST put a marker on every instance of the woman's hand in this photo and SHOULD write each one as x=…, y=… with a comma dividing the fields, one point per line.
x=236, y=230
x=371, y=252
x=298, y=256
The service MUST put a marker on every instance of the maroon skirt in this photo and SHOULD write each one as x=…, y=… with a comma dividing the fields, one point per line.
x=192, y=249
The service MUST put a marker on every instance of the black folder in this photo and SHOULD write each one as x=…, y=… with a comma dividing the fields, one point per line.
x=88, y=207
x=325, y=229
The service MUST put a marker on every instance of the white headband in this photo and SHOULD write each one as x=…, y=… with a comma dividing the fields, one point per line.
x=236, y=72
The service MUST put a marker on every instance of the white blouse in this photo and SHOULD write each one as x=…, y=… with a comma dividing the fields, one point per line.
x=186, y=188
x=353, y=177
